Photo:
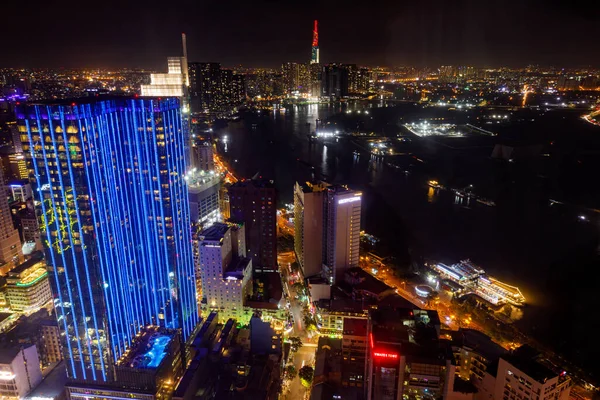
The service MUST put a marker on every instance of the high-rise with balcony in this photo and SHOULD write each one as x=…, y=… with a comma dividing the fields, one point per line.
x=108, y=175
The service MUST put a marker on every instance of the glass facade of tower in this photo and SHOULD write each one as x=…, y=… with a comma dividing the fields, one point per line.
x=115, y=220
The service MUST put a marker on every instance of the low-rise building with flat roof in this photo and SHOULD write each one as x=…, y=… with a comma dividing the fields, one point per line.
x=27, y=285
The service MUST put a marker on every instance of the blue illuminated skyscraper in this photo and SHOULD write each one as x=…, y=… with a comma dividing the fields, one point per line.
x=109, y=178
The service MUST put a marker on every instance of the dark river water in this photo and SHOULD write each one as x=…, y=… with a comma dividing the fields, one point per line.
x=550, y=251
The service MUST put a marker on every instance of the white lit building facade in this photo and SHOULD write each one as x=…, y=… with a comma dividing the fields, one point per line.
x=342, y=210
x=19, y=371
x=226, y=274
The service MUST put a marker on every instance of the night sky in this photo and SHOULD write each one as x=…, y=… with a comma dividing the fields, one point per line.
x=254, y=33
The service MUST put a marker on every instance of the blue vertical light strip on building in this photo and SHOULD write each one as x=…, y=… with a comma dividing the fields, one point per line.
x=185, y=237
x=156, y=273
x=180, y=205
x=173, y=172
x=190, y=283
x=128, y=123
x=83, y=255
x=88, y=160
x=142, y=225
x=108, y=204
x=170, y=142
x=40, y=184
x=65, y=189
x=124, y=186
x=106, y=266
x=164, y=249
x=116, y=206
x=60, y=238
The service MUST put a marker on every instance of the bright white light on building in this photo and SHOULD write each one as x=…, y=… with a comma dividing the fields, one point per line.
x=350, y=200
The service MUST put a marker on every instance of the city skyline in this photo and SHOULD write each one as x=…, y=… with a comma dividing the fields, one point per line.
x=257, y=34
x=306, y=200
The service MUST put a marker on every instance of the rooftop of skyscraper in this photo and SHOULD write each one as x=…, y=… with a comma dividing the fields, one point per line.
x=254, y=182
x=148, y=349
x=215, y=232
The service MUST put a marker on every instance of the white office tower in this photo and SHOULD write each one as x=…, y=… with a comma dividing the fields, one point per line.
x=170, y=84
x=175, y=83
x=226, y=274
x=203, y=188
x=308, y=227
x=342, y=211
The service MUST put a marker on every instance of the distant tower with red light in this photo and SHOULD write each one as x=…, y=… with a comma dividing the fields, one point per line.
x=315, y=45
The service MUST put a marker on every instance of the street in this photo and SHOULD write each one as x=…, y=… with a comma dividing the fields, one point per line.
x=306, y=354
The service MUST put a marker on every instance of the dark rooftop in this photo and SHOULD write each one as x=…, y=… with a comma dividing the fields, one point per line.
x=87, y=100
x=255, y=183
x=4, y=315
x=355, y=326
x=35, y=258
x=525, y=359
x=8, y=352
x=462, y=386
x=478, y=342
x=396, y=325
x=360, y=280
x=53, y=384
x=215, y=232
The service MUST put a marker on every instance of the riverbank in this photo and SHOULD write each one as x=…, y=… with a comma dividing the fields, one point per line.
x=522, y=240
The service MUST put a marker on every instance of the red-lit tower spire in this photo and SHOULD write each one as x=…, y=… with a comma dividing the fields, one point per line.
x=315, y=45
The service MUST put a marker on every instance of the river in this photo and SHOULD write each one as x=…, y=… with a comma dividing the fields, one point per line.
x=550, y=251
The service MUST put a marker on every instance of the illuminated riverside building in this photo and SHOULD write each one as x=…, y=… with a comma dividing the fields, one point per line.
x=108, y=176
x=342, y=232
x=327, y=229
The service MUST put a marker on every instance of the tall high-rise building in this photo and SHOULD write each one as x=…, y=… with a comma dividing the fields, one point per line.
x=334, y=80
x=296, y=77
x=109, y=178
x=342, y=232
x=327, y=229
x=225, y=270
x=238, y=88
x=205, y=86
x=254, y=203
x=214, y=89
x=203, y=156
x=315, y=45
x=10, y=243
x=308, y=227
x=363, y=80
x=352, y=77
x=315, y=66
x=175, y=83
